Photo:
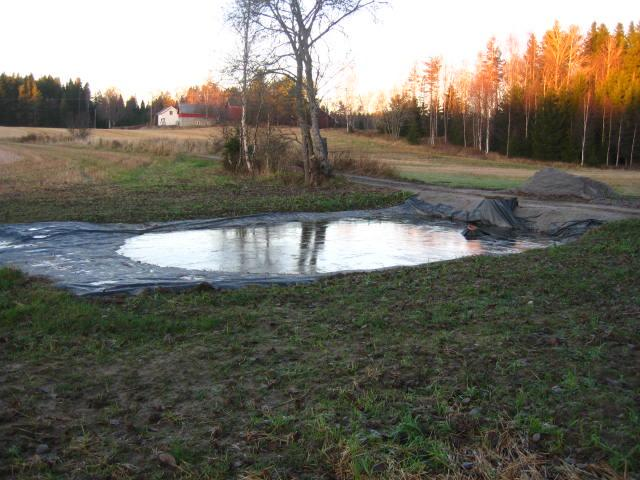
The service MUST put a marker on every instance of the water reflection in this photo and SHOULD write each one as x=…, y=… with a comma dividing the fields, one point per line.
x=312, y=247
x=312, y=238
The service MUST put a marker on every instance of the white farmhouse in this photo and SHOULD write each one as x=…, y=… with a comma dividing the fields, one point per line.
x=168, y=117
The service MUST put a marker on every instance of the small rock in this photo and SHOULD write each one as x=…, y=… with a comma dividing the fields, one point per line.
x=466, y=400
x=582, y=466
x=557, y=389
x=42, y=449
x=613, y=382
x=530, y=302
x=114, y=422
x=475, y=412
x=535, y=438
x=468, y=465
x=570, y=461
x=167, y=460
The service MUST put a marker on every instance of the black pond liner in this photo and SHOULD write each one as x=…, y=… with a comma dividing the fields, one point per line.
x=87, y=258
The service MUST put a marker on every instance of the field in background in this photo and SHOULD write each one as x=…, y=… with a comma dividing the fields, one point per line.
x=75, y=181
x=457, y=167
x=451, y=166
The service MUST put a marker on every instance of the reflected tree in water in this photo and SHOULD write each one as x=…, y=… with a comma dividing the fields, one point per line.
x=312, y=238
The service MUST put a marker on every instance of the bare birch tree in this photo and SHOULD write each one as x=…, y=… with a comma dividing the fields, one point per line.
x=244, y=16
x=303, y=24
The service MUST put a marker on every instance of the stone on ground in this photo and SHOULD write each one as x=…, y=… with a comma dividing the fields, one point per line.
x=554, y=183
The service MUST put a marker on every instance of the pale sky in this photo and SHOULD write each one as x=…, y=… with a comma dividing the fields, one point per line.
x=146, y=46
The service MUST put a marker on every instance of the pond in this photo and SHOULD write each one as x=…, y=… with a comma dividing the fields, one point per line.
x=307, y=248
x=91, y=259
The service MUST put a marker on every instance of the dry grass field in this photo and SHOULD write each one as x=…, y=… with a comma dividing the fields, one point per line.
x=450, y=166
x=459, y=167
x=9, y=133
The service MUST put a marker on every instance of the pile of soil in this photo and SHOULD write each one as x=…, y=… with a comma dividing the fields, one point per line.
x=554, y=183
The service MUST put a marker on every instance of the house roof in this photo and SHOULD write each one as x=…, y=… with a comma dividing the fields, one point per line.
x=165, y=109
x=197, y=109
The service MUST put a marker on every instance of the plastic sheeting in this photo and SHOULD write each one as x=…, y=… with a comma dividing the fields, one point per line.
x=85, y=258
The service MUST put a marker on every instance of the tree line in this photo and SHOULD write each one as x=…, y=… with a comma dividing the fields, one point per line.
x=568, y=96
x=47, y=102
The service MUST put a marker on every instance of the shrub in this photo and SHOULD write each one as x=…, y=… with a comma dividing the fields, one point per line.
x=29, y=138
x=348, y=162
x=231, y=154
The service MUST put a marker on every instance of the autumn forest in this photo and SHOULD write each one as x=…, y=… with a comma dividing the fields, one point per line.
x=569, y=96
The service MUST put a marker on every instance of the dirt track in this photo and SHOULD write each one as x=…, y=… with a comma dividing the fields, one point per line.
x=544, y=214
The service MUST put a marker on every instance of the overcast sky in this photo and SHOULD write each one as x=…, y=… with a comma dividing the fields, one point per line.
x=147, y=46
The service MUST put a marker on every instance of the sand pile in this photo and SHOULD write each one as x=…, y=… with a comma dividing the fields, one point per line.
x=554, y=183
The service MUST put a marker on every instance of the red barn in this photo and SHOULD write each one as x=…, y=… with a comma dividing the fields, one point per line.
x=233, y=114
x=196, y=115
x=233, y=110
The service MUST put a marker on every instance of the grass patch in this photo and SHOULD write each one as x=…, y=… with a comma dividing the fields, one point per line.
x=99, y=186
x=488, y=367
x=461, y=180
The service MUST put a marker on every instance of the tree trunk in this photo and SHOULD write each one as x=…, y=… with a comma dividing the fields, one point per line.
x=435, y=116
x=609, y=142
x=486, y=150
x=633, y=144
x=604, y=113
x=585, y=121
x=244, y=132
x=320, y=160
x=619, y=138
x=303, y=125
x=509, y=131
x=464, y=129
x=445, y=122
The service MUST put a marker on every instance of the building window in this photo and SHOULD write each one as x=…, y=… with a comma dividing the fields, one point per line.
x=170, y=112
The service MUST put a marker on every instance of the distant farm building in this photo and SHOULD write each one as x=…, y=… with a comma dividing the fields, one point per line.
x=198, y=115
x=168, y=117
x=233, y=110
x=203, y=115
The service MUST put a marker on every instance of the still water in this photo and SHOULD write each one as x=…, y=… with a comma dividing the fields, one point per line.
x=313, y=247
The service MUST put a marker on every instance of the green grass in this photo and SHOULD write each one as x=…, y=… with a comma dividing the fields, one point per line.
x=402, y=372
x=460, y=180
x=180, y=187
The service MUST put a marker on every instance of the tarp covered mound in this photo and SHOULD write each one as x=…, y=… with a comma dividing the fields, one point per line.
x=554, y=183
x=488, y=212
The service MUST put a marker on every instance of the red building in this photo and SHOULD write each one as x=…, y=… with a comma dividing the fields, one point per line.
x=233, y=110
x=233, y=114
